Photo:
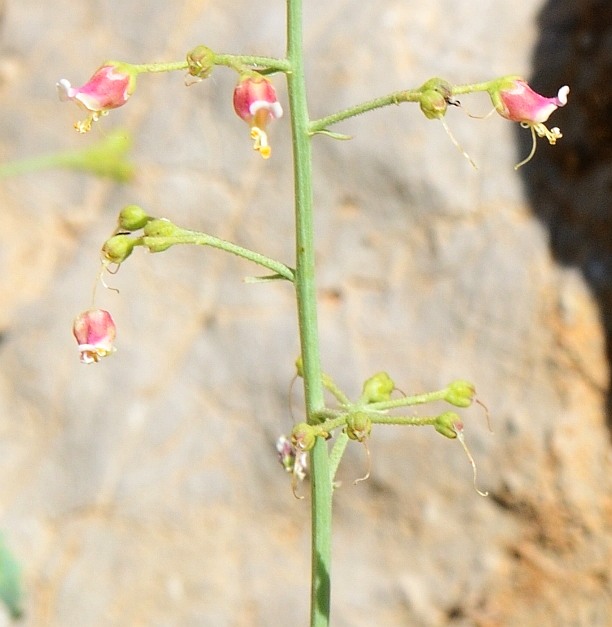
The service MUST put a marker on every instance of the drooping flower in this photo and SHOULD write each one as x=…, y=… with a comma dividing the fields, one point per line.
x=293, y=461
x=514, y=100
x=110, y=87
x=256, y=103
x=95, y=333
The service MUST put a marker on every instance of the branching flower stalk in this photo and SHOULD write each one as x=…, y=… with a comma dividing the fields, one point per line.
x=256, y=103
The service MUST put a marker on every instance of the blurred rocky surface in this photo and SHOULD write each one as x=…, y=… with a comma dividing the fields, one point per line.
x=145, y=490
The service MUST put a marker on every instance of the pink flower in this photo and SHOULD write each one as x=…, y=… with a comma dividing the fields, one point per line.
x=255, y=102
x=517, y=102
x=109, y=88
x=95, y=332
x=514, y=100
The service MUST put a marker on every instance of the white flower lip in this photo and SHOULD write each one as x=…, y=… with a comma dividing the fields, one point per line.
x=274, y=108
x=65, y=90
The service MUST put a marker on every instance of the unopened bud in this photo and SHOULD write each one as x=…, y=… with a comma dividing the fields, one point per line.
x=159, y=229
x=132, y=218
x=118, y=248
x=378, y=388
x=460, y=393
x=358, y=426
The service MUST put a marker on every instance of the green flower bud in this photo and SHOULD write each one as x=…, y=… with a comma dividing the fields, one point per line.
x=358, y=426
x=378, y=388
x=132, y=218
x=460, y=393
x=118, y=248
x=159, y=229
x=435, y=94
x=303, y=436
x=201, y=62
x=448, y=424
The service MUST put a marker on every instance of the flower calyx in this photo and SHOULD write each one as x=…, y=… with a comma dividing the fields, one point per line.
x=118, y=248
x=256, y=103
x=132, y=218
x=110, y=87
x=436, y=95
x=358, y=426
x=200, y=62
x=448, y=424
x=460, y=393
x=157, y=232
x=304, y=436
x=377, y=388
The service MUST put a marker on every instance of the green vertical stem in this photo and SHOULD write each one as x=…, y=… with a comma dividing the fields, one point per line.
x=305, y=285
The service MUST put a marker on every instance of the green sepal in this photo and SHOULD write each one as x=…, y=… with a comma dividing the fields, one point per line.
x=159, y=229
x=304, y=436
x=447, y=424
x=118, y=248
x=201, y=61
x=378, y=388
x=498, y=85
x=358, y=426
x=132, y=218
x=460, y=393
x=435, y=94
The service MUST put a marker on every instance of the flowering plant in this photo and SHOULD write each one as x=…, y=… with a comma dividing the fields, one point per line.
x=328, y=428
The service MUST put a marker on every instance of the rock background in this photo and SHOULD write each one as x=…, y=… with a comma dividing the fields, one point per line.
x=145, y=491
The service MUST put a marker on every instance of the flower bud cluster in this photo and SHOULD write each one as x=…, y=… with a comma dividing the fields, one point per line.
x=158, y=234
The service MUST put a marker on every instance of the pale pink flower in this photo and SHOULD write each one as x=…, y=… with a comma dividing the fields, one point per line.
x=519, y=103
x=95, y=332
x=109, y=88
x=514, y=100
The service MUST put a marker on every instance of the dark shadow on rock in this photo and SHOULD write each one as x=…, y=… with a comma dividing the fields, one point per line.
x=570, y=184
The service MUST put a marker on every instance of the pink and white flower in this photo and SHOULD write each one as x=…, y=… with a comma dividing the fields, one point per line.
x=514, y=100
x=256, y=103
x=109, y=88
x=95, y=333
